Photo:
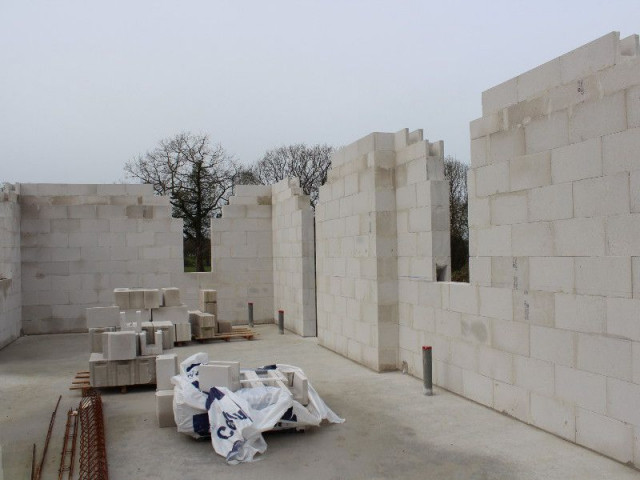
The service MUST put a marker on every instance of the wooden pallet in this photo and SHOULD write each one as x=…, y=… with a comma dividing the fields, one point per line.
x=237, y=332
x=80, y=381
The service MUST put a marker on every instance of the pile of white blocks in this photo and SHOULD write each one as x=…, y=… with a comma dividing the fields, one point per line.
x=120, y=373
x=166, y=367
x=204, y=322
x=219, y=373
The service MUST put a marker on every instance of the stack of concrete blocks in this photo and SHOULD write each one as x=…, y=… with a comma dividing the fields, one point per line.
x=135, y=303
x=121, y=373
x=155, y=348
x=166, y=367
x=100, y=320
x=173, y=311
x=382, y=223
x=10, y=266
x=203, y=325
x=294, y=280
x=167, y=329
x=241, y=255
x=208, y=302
x=79, y=242
x=219, y=374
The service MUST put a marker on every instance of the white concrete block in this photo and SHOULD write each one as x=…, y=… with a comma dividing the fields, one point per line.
x=136, y=299
x=119, y=345
x=152, y=298
x=463, y=298
x=208, y=296
x=623, y=317
x=510, y=336
x=154, y=348
x=597, y=118
x=171, y=297
x=532, y=239
x=604, y=355
x=539, y=79
x=584, y=389
x=580, y=313
x=493, y=363
x=577, y=161
x=547, y=133
x=553, y=345
x=589, y=58
x=623, y=232
x=509, y=209
x=95, y=338
x=633, y=107
x=530, y=171
x=166, y=367
x=580, y=237
x=183, y=332
x=103, y=317
x=534, y=374
x=164, y=408
x=493, y=241
x=175, y=314
x=511, y=400
x=500, y=96
x=551, y=274
x=551, y=203
x=605, y=435
x=607, y=195
x=219, y=375
x=496, y=302
x=121, y=297
x=607, y=276
x=477, y=387
x=553, y=415
x=623, y=399
x=492, y=179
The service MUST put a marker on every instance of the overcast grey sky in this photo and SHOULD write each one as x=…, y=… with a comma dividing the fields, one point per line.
x=86, y=85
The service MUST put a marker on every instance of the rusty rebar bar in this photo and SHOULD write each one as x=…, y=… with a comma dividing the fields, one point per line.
x=46, y=442
x=93, y=451
x=67, y=456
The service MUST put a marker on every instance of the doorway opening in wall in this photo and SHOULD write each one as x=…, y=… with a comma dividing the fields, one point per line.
x=455, y=172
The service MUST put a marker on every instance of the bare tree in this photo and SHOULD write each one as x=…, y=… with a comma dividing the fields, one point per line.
x=197, y=176
x=309, y=164
x=456, y=173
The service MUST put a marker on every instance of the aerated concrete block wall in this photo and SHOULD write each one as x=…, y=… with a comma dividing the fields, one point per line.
x=294, y=279
x=79, y=242
x=383, y=204
x=10, y=271
x=263, y=252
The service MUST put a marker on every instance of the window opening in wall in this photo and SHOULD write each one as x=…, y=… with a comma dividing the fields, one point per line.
x=441, y=273
x=455, y=172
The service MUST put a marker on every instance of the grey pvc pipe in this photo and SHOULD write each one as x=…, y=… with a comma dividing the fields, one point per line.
x=250, y=314
x=281, y=321
x=427, y=370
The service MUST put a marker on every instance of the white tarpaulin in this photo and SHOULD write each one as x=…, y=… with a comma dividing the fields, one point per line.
x=235, y=420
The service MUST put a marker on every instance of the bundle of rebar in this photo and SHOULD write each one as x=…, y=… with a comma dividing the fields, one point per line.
x=93, y=451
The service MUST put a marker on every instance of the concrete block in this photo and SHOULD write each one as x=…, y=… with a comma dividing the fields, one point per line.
x=480, y=270
x=492, y=179
x=534, y=307
x=584, y=389
x=95, y=338
x=623, y=399
x=607, y=195
x=532, y=239
x=477, y=387
x=494, y=364
x=510, y=336
x=152, y=298
x=496, y=302
x=509, y=209
x=183, y=332
x=577, y=161
x=530, y=171
x=136, y=299
x=166, y=367
x=219, y=374
x=553, y=415
x=605, y=355
x=103, y=317
x=493, y=241
x=99, y=370
x=551, y=274
x=590, y=58
x=168, y=333
x=200, y=319
x=534, y=374
x=553, y=345
x=131, y=316
x=500, y=96
x=623, y=232
x=602, y=434
x=300, y=388
x=580, y=313
x=119, y=345
x=176, y=314
x=154, y=348
x=511, y=400
x=463, y=298
x=597, y=118
x=633, y=107
x=121, y=297
x=479, y=151
x=551, y=203
x=208, y=296
x=547, y=133
x=164, y=408
x=539, y=79
x=623, y=318
x=607, y=276
x=580, y=237
x=171, y=297
x=211, y=308
x=224, y=326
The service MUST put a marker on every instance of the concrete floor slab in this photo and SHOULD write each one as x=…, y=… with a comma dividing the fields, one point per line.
x=391, y=431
